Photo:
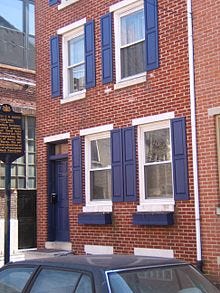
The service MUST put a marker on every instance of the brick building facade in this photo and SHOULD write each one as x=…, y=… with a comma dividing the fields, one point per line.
x=115, y=144
x=207, y=75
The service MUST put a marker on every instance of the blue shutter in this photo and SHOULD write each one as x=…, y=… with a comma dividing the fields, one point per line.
x=117, y=169
x=151, y=34
x=106, y=38
x=129, y=164
x=53, y=2
x=179, y=151
x=77, y=169
x=90, y=54
x=55, y=66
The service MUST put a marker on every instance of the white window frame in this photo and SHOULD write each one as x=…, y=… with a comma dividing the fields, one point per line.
x=65, y=3
x=69, y=32
x=121, y=9
x=94, y=205
x=152, y=205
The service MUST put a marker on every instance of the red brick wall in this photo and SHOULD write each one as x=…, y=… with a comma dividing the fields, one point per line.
x=207, y=75
x=166, y=89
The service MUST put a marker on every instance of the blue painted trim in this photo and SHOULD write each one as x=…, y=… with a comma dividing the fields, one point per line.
x=153, y=219
x=151, y=34
x=90, y=74
x=55, y=66
x=95, y=218
x=106, y=41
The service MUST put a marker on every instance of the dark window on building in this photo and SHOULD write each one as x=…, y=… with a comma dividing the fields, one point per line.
x=17, y=33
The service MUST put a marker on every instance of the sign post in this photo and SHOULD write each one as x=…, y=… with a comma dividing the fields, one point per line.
x=11, y=148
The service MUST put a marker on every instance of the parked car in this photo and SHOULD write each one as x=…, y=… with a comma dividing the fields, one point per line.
x=102, y=274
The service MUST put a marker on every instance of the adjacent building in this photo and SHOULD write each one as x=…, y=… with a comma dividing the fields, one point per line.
x=17, y=88
x=117, y=158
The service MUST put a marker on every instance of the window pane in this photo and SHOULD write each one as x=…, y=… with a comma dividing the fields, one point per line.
x=21, y=170
x=133, y=60
x=61, y=148
x=31, y=20
x=157, y=145
x=21, y=183
x=11, y=12
x=76, y=50
x=13, y=183
x=158, y=181
x=31, y=171
x=13, y=170
x=100, y=185
x=31, y=158
x=31, y=146
x=77, y=78
x=55, y=281
x=100, y=153
x=14, y=279
x=31, y=183
x=31, y=127
x=132, y=27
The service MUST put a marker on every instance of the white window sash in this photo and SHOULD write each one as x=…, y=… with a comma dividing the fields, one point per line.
x=123, y=11
x=94, y=205
x=68, y=33
x=150, y=204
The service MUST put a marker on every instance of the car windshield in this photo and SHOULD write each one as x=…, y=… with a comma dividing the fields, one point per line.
x=169, y=279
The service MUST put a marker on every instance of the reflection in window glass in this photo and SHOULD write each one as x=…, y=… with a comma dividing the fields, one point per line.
x=11, y=14
x=31, y=20
x=55, y=281
x=14, y=279
x=17, y=33
x=182, y=278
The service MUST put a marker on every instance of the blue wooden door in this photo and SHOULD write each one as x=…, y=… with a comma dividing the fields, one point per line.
x=61, y=205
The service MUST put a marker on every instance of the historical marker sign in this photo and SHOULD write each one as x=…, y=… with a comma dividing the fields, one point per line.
x=11, y=134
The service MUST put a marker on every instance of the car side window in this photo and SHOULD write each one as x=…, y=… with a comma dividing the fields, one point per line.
x=13, y=280
x=55, y=280
x=85, y=285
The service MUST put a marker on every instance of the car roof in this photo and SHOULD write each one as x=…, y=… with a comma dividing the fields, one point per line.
x=102, y=262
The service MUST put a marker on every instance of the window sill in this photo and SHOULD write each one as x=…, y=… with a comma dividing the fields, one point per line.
x=98, y=208
x=130, y=82
x=95, y=218
x=153, y=206
x=66, y=3
x=74, y=97
x=153, y=219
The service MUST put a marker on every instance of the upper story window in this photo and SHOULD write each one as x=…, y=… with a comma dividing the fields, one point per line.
x=130, y=41
x=76, y=64
x=17, y=33
x=132, y=47
x=73, y=42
